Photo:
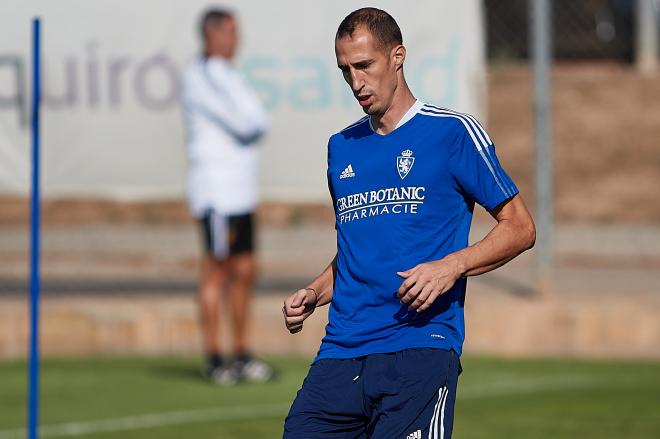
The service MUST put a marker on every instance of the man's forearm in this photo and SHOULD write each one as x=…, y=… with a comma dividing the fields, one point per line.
x=513, y=234
x=501, y=245
x=323, y=284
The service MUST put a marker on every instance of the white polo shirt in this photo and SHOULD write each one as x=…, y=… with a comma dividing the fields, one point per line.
x=224, y=120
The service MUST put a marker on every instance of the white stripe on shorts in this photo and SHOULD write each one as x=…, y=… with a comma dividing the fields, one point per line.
x=218, y=230
x=442, y=416
x=439, y=407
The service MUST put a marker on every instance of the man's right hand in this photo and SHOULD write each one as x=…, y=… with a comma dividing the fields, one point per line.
x=297, y=307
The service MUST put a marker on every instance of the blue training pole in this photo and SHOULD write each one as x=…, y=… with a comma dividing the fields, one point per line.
x=35, y=280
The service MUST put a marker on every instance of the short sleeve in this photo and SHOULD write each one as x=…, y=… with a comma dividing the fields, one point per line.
x=475, y=167
x=331, y=187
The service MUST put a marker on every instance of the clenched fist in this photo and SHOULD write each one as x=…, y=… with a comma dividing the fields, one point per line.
x=297, y=307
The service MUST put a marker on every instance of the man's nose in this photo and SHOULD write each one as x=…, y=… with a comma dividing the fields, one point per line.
x=357, y=81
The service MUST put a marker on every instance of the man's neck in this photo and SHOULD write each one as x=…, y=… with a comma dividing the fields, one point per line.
x=387, y=122
x=209, y=53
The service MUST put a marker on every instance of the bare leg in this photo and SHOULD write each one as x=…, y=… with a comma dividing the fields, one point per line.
x=243, y=273
x=214, y=275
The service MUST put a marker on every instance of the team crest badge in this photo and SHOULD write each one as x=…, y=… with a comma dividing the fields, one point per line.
x=404, y=163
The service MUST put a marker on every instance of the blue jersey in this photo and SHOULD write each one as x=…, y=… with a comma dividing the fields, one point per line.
x=402, y=199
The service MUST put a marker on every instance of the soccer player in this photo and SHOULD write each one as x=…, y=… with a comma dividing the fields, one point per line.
x=224, y=120
x=404, y=180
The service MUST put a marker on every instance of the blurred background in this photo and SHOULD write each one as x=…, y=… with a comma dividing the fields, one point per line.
x=578, y=357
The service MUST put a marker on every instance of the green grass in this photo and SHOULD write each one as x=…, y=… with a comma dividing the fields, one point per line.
x=498, y=398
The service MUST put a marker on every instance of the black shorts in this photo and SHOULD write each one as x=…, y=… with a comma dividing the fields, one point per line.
x=227, y=235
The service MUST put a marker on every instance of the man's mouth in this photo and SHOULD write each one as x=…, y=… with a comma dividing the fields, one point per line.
x=364, y=100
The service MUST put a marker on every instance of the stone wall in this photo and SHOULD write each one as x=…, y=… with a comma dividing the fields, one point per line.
x=500, y=324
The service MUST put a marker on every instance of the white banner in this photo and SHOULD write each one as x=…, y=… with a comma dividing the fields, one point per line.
x=112, y=126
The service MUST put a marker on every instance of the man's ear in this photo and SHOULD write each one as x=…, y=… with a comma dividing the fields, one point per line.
x=398, y=56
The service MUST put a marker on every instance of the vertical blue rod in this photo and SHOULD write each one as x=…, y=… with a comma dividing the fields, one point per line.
x=35, y=280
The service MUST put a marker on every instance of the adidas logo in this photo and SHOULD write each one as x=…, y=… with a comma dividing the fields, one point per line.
x=348, y=172
x=415, y=435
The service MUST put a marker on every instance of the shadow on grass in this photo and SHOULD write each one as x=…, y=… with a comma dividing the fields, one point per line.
x=194, y=373
x=184, y=372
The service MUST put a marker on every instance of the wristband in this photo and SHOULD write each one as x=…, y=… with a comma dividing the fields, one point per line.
x=316, y=296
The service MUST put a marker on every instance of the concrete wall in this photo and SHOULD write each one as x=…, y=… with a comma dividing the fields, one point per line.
x=496, y=324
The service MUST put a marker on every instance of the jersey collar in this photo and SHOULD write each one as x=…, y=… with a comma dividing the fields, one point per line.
x=412, y=111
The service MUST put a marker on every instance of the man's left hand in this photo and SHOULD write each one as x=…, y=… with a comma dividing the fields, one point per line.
x=425, y=282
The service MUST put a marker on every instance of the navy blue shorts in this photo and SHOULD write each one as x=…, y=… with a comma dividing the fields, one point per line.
x=402, y=395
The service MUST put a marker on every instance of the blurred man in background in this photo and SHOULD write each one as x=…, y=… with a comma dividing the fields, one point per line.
x=404, y=180
x=224, y=120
